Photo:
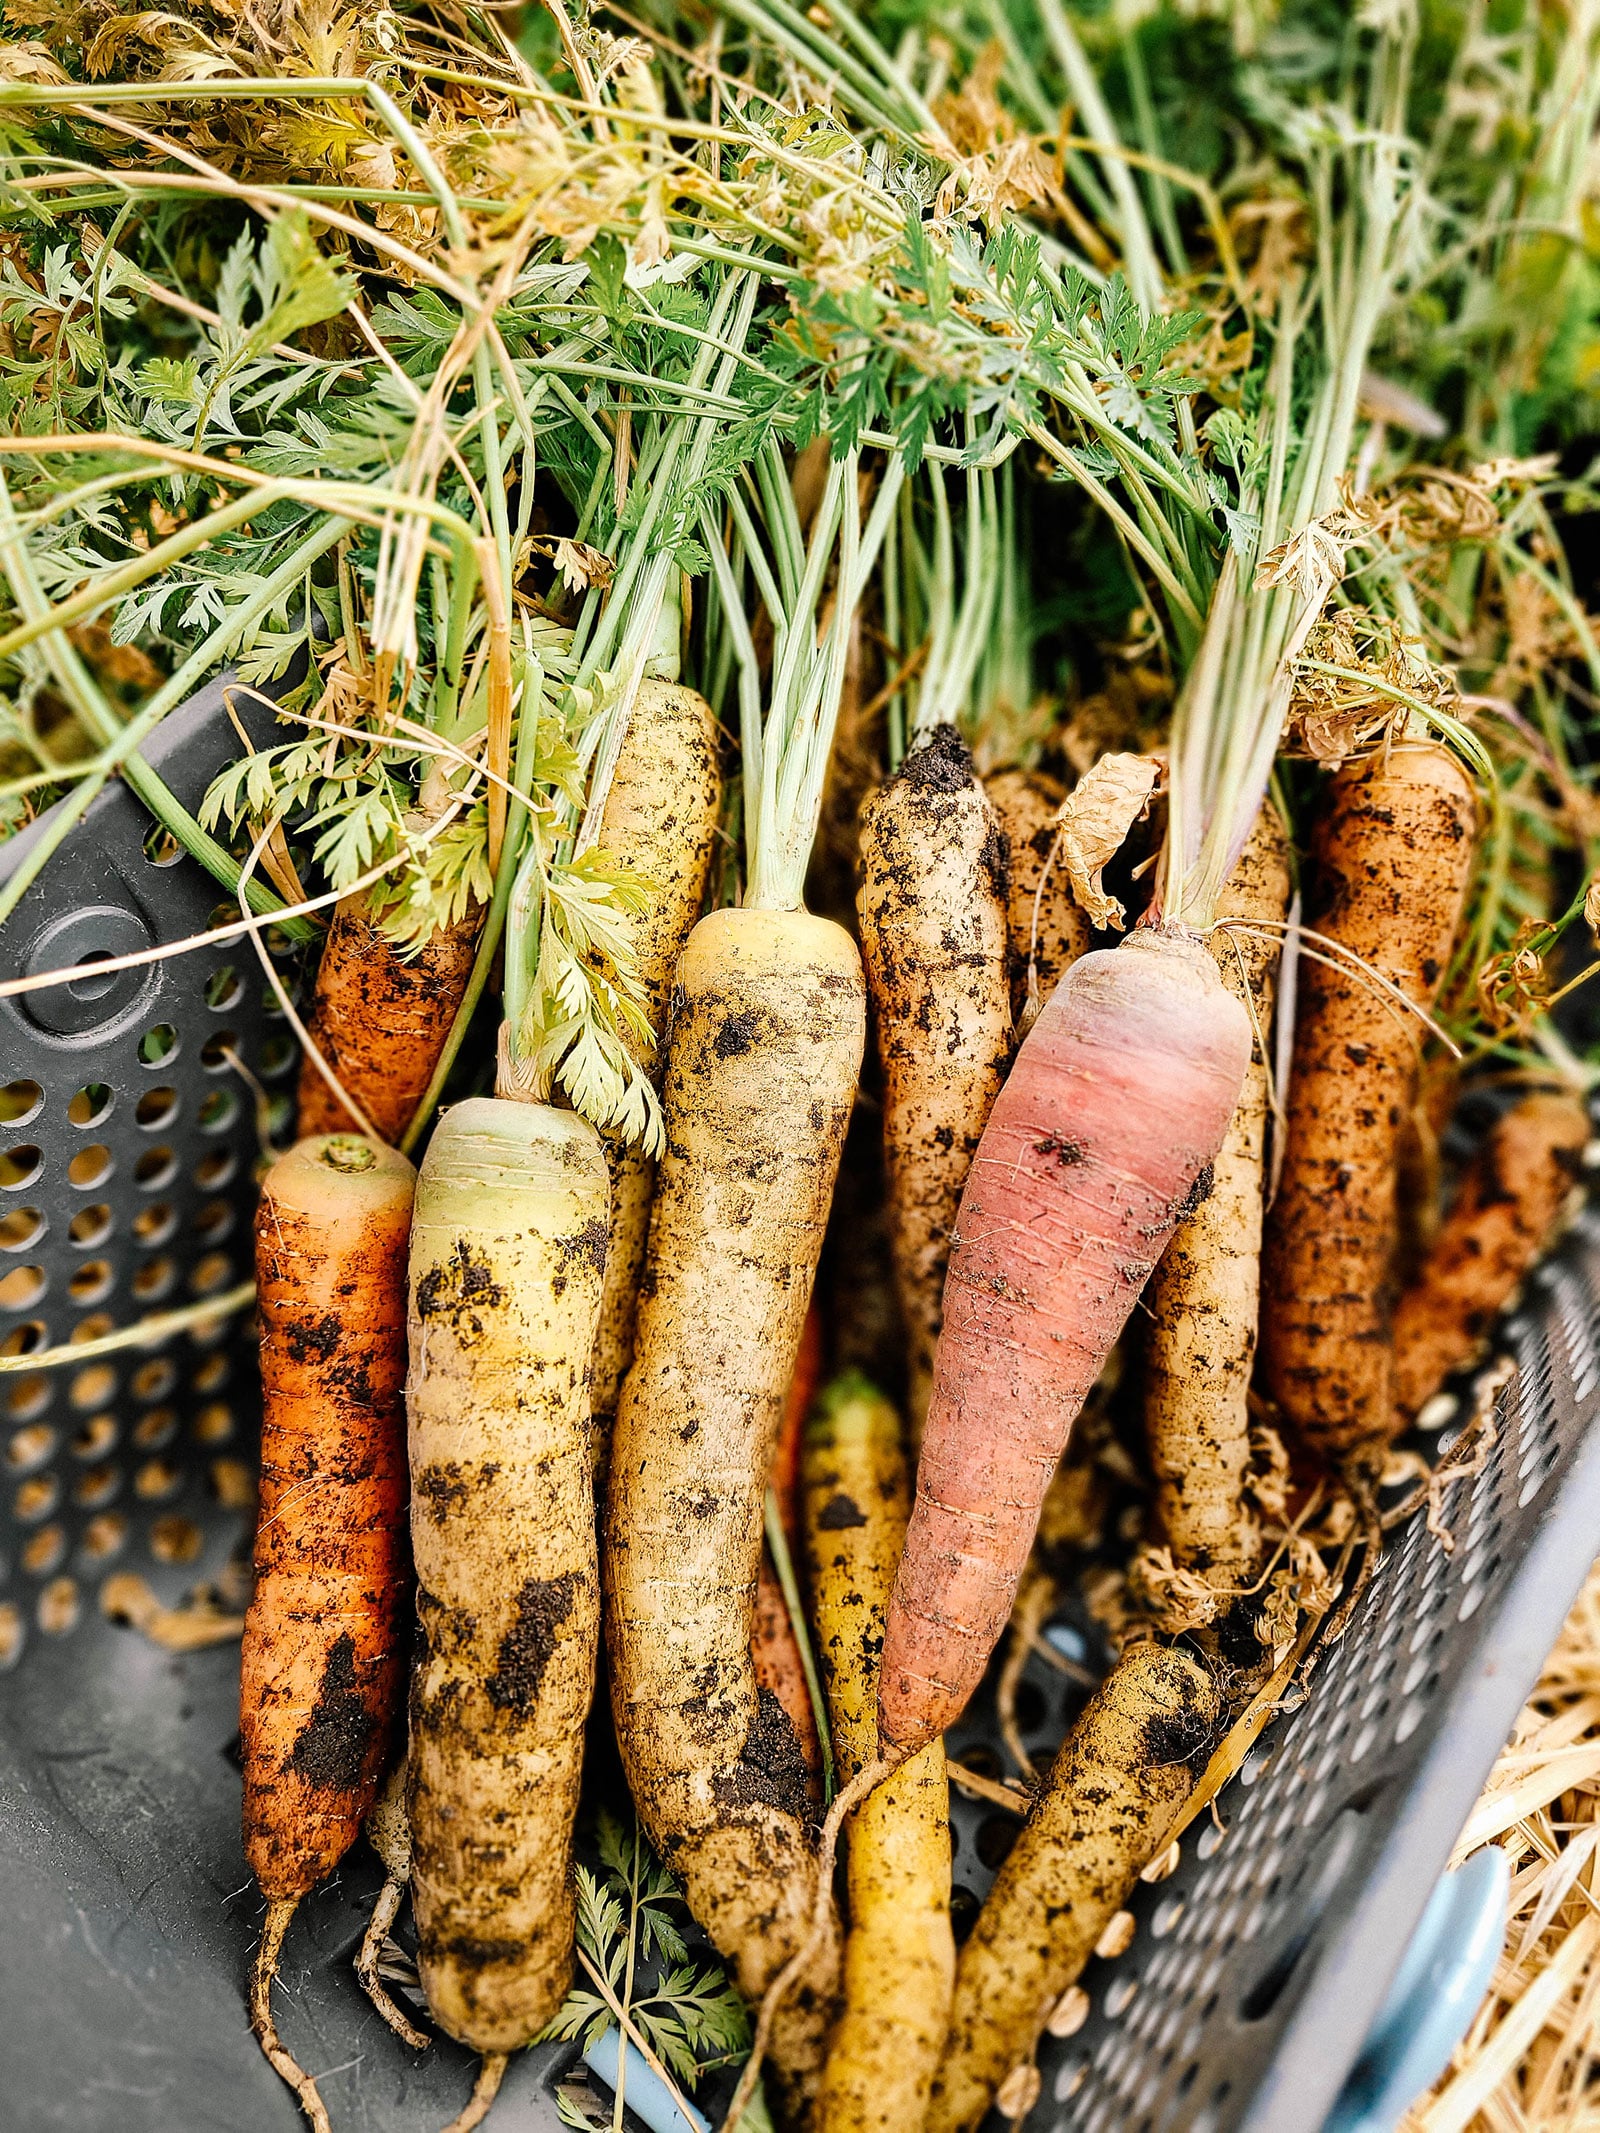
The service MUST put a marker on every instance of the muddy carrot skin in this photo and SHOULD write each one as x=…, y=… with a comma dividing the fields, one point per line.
x=1047, y=928
x=933, y=935
x=1391, y=859
x=322, y=1663
x=1512, y=1197
x=899, y=1958
x=1205, y=1298
x=323, y=1639
x=381, y=1020
x=660, y=818
x=1115, y=1789
x=507, y=1259
x=1118, y=1100
x=765, y=1047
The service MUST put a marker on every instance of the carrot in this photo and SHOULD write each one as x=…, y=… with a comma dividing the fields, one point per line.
x=1115, y=1789
x=1391, y=857
x=660, y=818
x=320, y=1671
x=380, y=1019
x=1511, y=1198
x=768, y=1029
x=766, y=1041
x=388, y=1831
x=932, y=910
x=1047, y=930
x=1118, y=1100
x=507, y=1254
x=899, y=1957
x=1204, y=1298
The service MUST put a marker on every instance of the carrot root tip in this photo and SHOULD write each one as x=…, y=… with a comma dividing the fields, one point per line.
x=280, y=1909
x=491, y=2072
x=383, y=1916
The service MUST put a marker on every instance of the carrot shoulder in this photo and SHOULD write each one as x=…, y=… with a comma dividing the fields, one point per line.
x=1048, y=930
x=380, y=1020
x=933, y=936
x=660, y=818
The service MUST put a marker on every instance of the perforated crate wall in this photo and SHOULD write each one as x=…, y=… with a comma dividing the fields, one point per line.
x=1256, y=1969
x=128, y=1142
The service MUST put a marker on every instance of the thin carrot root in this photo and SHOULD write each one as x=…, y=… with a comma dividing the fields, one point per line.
x=1391, y=858
x=288, y=2069
x=899, y=1957
x=380, y=1020
x=1513, y=1195
x=1115, y=1789
x=1118, y=1100
x=491, y=2072
x=1204, y=1300
x=388, y=1831
x=1047, y=928
x=766, y=1042
x=368, y=1955
x=933, y=936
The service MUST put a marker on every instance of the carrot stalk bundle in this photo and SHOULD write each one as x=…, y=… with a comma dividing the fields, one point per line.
x=660, y=819
x=507, y=1255
x=933, y=935
x=1048, y=930
x=766, y=1042
x=1115, y=1789
x=321, y=1664
x=1118, y=1100
x=899, y=1957
x=1511, y=1198
x=1391, y=859
x=1205, y=1295
x=380, y=1019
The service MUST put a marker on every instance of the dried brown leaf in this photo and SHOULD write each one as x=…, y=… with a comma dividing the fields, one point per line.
x=1093, y=825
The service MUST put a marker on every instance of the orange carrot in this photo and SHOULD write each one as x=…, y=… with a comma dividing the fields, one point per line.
x=321, y=1669
x=380, y=1020
x=1119, y=1097
x=1391, y=859
x=1510, y=1199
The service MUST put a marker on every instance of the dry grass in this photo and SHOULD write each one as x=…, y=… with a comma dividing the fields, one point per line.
x=1530, y=2063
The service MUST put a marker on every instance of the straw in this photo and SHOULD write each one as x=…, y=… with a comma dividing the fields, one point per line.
x=1530, y=2062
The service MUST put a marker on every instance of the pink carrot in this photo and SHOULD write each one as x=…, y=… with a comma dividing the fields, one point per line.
x=1116, y=1105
